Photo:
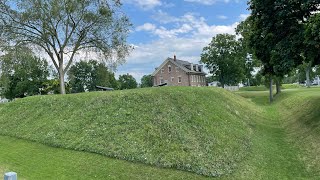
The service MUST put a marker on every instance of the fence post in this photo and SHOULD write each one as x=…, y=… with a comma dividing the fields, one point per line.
x=10, y=176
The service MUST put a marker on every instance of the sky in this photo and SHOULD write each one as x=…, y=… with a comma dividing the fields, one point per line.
x=162, y=28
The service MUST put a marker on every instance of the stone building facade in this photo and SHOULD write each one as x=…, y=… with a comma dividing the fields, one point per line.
x=176, y=72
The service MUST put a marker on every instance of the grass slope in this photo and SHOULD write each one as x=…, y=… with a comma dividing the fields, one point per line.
x=293, y=122
x=202, y=130
x=301, y=119
x=36, y=161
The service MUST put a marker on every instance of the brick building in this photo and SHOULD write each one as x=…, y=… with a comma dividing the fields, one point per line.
x=176, y=72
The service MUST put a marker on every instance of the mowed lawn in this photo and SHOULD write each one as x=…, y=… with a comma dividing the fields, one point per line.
x=276, y=151
x=36, y=161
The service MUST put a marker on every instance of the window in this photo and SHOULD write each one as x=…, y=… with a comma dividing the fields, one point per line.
x=161, y=80
x=179, y=79
x=161, y=71
x=172, y=79
x=169, y=69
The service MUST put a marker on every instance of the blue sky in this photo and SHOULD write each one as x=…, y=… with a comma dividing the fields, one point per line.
x=162, y=28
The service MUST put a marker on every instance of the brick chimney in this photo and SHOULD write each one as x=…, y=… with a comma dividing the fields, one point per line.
x=191, y=67
x=174, y=57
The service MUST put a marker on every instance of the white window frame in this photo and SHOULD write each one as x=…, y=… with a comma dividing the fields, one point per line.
x=162, y=70
x=179, y=79
x=169, y=68
x=161, y=80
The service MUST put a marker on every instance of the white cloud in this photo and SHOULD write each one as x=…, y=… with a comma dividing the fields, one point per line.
x=146, y=4
x=188, y=24
x=190, y=33
x=146, y=27
x=164, y=17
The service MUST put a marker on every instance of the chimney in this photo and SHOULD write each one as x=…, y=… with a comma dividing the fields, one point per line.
x=174, y=57
x=197, y=67
x=191, y=67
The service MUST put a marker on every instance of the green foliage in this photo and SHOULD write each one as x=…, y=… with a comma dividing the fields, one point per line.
x=52, y=86
x=146, y=81
x=22, y=74
x=127, y=81
x=86, y=75
x=276, y=35
x=62, y=28
x=211, y=138
x=312, y=39
x=225, y=58
x=244, y=29
x=298, y=75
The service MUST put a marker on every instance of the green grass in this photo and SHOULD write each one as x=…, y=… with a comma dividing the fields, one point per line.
x=36, y=161
x=254, y=88
x=296, y=117
x=291, y=86
x=201, y=130
x=264, y=88
x=301, y=118
x=259, y=140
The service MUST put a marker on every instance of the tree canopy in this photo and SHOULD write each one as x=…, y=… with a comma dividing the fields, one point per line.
x=127, y=81
x=276, y=34
x=146, y=81
x=225, y=58
x=22, y=74
x=86, y=75
x=63, y=28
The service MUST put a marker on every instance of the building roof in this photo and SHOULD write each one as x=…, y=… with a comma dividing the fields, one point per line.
x=184, y=65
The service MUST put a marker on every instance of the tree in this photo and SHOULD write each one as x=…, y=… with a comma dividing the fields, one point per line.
x=86, y=75
x=22, y=74
x=63, y=28
x=146, y=81
x=127, y=81
x=275, y=37
x=224, y=57
x=243, y=29
x=277, y=34
x=312, y=42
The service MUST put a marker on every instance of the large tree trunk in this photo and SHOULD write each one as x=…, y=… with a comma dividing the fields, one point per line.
x=61, y=76
x=270, y=90
x=308, y=75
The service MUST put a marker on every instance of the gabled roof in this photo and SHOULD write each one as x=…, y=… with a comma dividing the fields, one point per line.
x=181, y=64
